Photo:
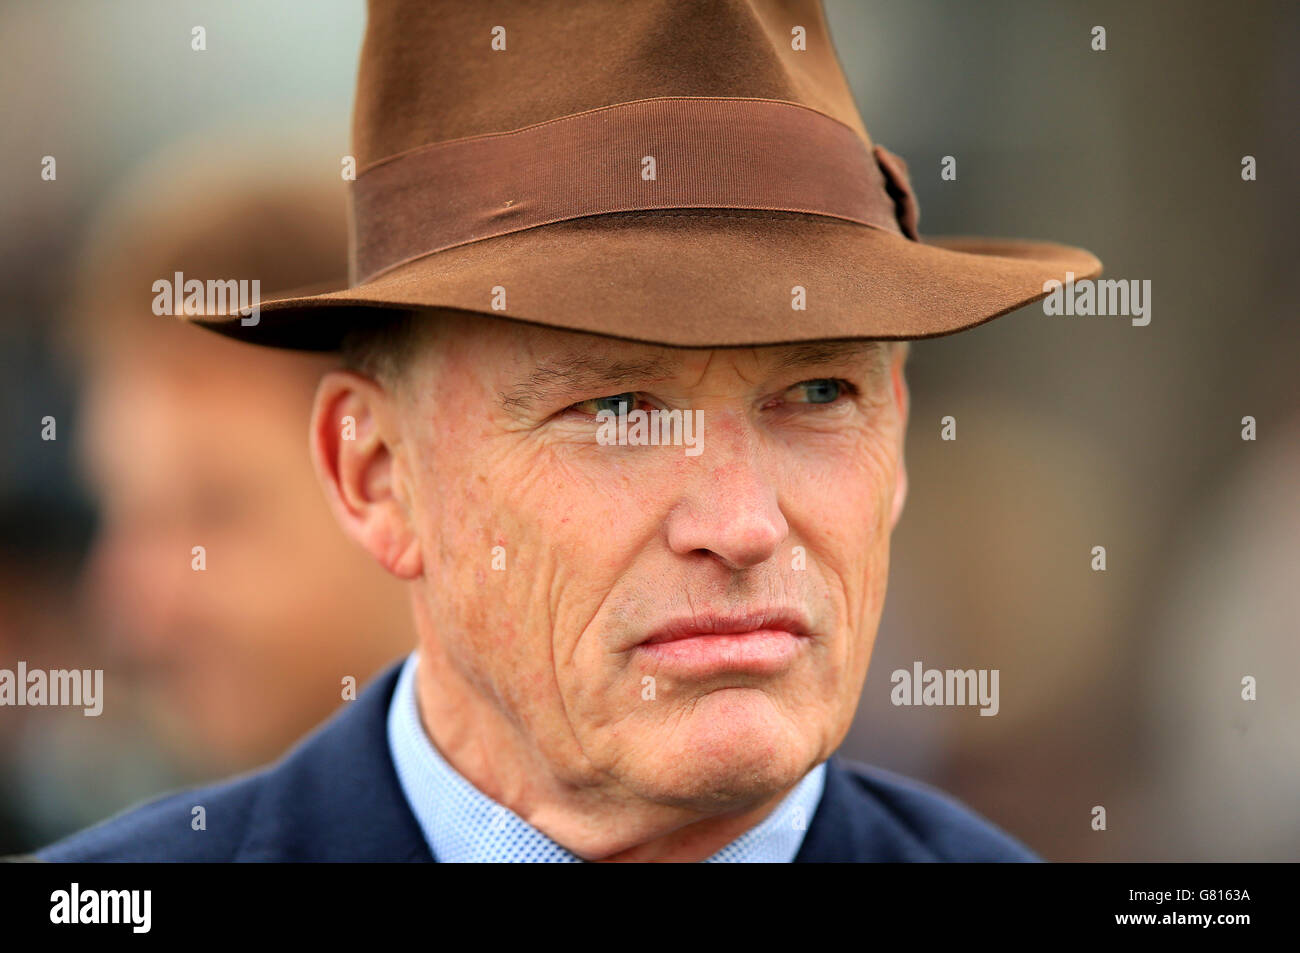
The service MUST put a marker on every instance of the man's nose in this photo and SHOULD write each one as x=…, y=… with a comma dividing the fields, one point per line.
x=730, y=509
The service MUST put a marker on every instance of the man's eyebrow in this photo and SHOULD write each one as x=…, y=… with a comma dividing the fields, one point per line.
x=579, y=372
x=827, y=352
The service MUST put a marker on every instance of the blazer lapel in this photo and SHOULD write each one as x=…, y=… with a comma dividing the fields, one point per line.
x=336, y=797
x=852, y=826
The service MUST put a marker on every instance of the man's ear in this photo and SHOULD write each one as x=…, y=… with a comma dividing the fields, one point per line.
x=903, y=399
x=353, y=439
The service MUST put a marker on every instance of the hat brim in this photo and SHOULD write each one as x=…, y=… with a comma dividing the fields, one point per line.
x=695, y=278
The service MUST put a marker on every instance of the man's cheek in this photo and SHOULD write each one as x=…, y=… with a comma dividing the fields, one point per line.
x=465, y=492
x=847, y=523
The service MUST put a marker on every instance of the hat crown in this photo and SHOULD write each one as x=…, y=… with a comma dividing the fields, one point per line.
x=435, y=71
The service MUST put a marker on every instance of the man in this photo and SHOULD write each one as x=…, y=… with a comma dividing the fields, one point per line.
x=623, y=402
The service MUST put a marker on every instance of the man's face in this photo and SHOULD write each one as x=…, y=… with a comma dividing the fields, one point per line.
x=776, y=532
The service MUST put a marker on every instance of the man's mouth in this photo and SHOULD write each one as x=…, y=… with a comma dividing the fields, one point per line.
x=763, y=642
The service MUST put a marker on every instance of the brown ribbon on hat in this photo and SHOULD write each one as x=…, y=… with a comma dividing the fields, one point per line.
x=707, y=153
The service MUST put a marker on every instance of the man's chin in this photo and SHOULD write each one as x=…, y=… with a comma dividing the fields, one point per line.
x=732, y=748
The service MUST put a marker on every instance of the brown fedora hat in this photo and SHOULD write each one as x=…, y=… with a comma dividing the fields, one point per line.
x=688, y=174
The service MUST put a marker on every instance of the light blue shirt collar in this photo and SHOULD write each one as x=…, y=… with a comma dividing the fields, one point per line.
x=463, y=825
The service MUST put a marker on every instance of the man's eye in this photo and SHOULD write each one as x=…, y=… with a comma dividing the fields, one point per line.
x=617, y=404
x=825, y=390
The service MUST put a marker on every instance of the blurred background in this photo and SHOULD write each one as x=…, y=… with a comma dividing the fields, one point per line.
x=1119, y=689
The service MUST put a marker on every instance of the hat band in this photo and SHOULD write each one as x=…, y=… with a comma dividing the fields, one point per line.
x=678, y=152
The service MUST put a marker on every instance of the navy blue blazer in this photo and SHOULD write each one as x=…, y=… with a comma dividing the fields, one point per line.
x=336, y=797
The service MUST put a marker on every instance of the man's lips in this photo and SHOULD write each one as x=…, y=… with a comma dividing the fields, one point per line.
x=749, y=623
x=762, y=643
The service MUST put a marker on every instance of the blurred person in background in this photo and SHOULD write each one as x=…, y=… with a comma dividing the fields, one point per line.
x=189, y=442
